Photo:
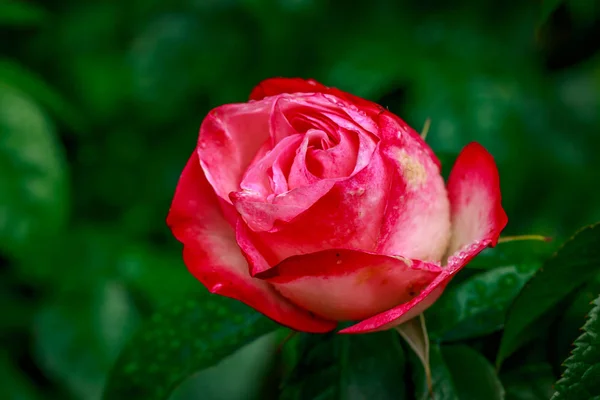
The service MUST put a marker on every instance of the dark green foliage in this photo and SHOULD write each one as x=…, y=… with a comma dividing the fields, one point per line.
x=477, y=306
x=458, y=372
x=575, y=263
x=529, y=382
x=345, y=367
x=581, y=379
x=180, y=340
x=33, y=179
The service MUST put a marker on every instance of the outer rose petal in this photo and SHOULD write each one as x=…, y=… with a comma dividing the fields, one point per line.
x=388, y=134
x=474, y=193
x=212, y=255
x=423, y=301
x=275, y=86
x=347, y=285
x=417, y=217
x=477, y=220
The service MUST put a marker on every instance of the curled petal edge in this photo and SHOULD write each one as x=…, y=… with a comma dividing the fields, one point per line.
x=477, y=220
x=211, y=254
x=407, y=311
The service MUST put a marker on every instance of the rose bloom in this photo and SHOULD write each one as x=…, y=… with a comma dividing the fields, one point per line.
x=314, y=206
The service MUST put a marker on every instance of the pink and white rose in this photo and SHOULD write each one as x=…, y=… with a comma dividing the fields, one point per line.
x=314, y=206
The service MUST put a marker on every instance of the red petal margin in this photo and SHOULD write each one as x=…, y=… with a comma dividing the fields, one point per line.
x=475, y=200
x=477, y=220
x=275, y=86
x=214, y=258
x=344, y=285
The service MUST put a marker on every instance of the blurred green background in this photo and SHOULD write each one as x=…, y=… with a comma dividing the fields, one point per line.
x=100, y=104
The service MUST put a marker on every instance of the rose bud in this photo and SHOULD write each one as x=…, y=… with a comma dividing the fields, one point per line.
x=314, y=206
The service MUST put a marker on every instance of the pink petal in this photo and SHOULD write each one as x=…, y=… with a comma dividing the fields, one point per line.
x=474, y=193
x=213, y=257
x=417, y=218
x=323, y=111
x=327, y=161
x=343, y=285
x=477, y=218
x=403, y=312
x=262, y=214
x=423, y=301
x=300, y=174
x=348, y=216
x=266, y=175
x=231, y=135
x=398, y=124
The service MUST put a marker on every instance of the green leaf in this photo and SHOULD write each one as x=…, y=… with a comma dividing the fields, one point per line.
x=567, y=328
x=332, y=366
x=573, y=265
x=472, y=375
x=249, y=372
x=530, y=382
x=182, y=339
x=477, y=306
x=458, y=373
x=20, y=13
x=313, y=365
x=581, y=379
x=373, y=367
x=33, y=176
x=16, y=75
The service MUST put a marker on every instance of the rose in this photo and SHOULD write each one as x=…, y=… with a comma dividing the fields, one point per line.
x=314, y=206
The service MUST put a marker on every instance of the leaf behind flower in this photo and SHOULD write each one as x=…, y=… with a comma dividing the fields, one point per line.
x=180, y=340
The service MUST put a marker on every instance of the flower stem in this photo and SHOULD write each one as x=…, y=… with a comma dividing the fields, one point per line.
x=540, y=238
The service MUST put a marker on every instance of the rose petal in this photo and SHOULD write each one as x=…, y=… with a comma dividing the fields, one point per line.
x=474, y=193
x=275, y=86
x=346, y=285
x=397, y=124
x=213, y=257
x=348, y=216
x=312, y=164
x=403, y=312
x=261, y=215
x=417, y=219
x=324, y=111
x=231, y=135
x=267, y=174
x=423, y=301
x=477, y=218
